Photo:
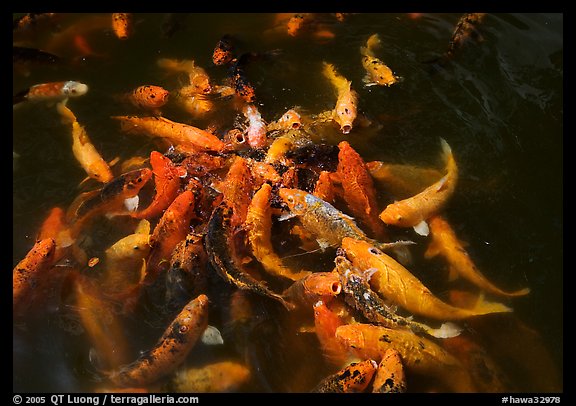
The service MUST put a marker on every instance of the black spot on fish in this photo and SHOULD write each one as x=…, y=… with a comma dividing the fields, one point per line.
x=385, y=338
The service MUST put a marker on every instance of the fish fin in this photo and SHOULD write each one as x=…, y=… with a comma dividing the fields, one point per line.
x=131, y=203
x=484, y=306
x=452, y=274
x=446, y=330
x=286, y=216
x=143, y=227
x=422, y=228
x=446, y=150
x=432, y=250
x=403, y=255
x=212, y=336
x=323, y=243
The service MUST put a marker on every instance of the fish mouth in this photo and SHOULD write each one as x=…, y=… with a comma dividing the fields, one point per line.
x=295, y=126
x=346, y=128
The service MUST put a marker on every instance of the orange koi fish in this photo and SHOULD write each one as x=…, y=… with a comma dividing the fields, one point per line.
x=358, y=187
x=401, y=180
x=149, y=97
x=325, y=324
x=223, y=51
x=176, y=133
x=84, y=151
x=257, y=128
x=170, y=350
x=276, y=153
x=419, y=355
x=398, y=285
x=353, y=378
x=291, y=120
x=445, y=243
x=122, y=25
x=52, y=92
x=377, y=72
x=390, y=376
x=55, y=226
x=295, y=24
x=172, y=228
x=324, y=188
x=198, y=78
x=346, y=108
x=218, y=377
x=167, y=177
x=415, y=210
x=314, y=287
x=31, y=273
x=259, y=225
x=104, y=330
x=328, y=224
x=110, y=198
x=237, y=189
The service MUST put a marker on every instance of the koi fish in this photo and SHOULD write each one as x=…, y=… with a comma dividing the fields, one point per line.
x=84, y=151
x=167, y=177
x=237, y=189
x=198, y=78
x=395, y=283
x=218, y=377
x=172, y=228
x=122, y=25
x=194, y=103
x=361, y=297
x=353, y=378
x=466, y=29
x=259, y=225
x=109, y=198
x=223, y=51
x=170, y=350
x=52, y=92
x=242, y=86
x=102, y=325
x=291, y=120
x=444, y=242
x=149, y=97
x=325, y=324
x=226, y=265
x=324, y=221
x=55, y=226
x=324, y=188
x=257, y=128
x=177, y=133
x=263, y=172
x=420, y=355
x=402, y=180
x=390, y=376
x=377, y=72
x=358, y=189
x=346, y=108
x=415, y=210
x=314, y=287
x=31, y=272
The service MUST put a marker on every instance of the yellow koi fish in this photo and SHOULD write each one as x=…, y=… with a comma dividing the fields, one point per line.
x=377, y=72
x=397, y=284
x=346, y=108
x=415, y=210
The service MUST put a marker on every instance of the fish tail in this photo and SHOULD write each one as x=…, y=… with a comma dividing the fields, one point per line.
x=330, y=73
x=67, y=114
x=373, y=42
x=446, y=330
x=447, y=155
x=484, y=306
x=20, y=96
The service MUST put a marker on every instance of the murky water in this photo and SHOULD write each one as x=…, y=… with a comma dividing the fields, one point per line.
x=498, y=103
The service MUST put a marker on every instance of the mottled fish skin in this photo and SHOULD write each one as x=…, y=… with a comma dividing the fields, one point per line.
x=352, y=378
x=217, y=247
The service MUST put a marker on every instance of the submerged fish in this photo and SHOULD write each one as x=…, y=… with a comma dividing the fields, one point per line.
x=122, y=25
x=52, y=92
x=377, y=72
x=223, y=51
x=346, y=108
x=353, y=378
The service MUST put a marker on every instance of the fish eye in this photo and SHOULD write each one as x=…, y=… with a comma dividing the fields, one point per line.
x=373, y=251
x=183, y=329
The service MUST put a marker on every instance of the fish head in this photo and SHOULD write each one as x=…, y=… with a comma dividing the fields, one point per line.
x=358, y=249
x=392, y=215
x=291, y=120
x=295, y=199
x=346, y=112
x=323, y=284
x=74, y=89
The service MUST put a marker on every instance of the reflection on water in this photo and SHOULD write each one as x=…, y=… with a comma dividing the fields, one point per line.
x=498, y=103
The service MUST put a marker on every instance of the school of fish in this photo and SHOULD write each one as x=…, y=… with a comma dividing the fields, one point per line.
x=210, y=224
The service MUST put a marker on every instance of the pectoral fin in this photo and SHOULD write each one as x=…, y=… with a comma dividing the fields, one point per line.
x=422, y=228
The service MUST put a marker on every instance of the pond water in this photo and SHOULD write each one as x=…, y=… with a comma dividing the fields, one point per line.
x=498, y=103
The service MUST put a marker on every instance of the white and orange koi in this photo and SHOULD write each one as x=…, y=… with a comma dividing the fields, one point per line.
x=84, y=151
x=346, y=109
x=444, y=242
x=51, y=92
x=398, y=285
x=414, y=211
x=257, y=128
x=377, y=72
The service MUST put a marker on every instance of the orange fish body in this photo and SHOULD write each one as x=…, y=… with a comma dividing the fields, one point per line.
x=84, y=151
x=390, y=376
x=395, y=283
x=176, y=133
x=326, y=322
x=358, y=188
x=237, y=188
x=324, y=188
x=122, y=25
x=149, y=97
x=31, y=273
x=55, y=226
x=346, y=109
x=353, y=378
x=445, y=243
x=312, y=287
x=218, y=377
x=167, y=180
x=172, y=228
x=52, y=91
x=420, y=355
x=259, y=225
x=377, y=72
x=170, y=350
x=412, y=211
x=401, y=180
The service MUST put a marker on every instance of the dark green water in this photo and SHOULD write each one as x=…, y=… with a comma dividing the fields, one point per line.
x=498, y=103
